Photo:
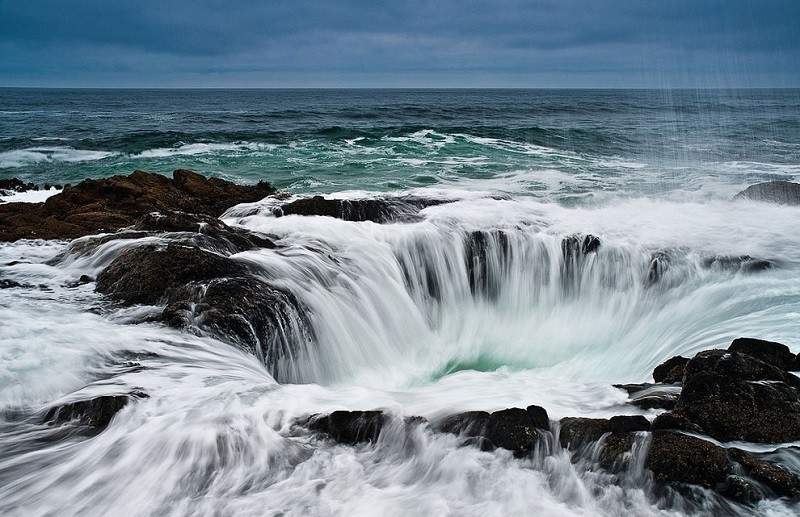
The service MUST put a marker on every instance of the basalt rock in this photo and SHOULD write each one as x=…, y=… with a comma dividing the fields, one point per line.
x=11, y=185
x=482, y=250
x=783, y=192
x=735, y=366
x=671, y=370
x=107, y=205
x=678, y=458
x=94, y=414
x=577, y=431
x=514, y=429
x=375, y=210
x=778, y=479
x=732, y=409
x=350, y=427
x=770, y=352
x=153, y=274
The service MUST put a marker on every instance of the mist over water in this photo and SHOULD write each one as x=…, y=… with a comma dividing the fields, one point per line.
x=478, y=305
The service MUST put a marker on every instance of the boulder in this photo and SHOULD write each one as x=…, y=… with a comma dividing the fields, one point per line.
x=730, y=409
x=671, y=370
x=776, y=354
x=107, y=205
x=678, y=458
x=153, y=274
x=577, y=431
x=782, y=192
x=735, y=366
x=514, y=429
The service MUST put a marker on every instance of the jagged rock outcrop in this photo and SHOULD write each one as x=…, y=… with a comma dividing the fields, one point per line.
x=107, y=205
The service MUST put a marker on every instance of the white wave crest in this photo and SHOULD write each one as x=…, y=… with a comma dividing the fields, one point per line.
x=34, y=155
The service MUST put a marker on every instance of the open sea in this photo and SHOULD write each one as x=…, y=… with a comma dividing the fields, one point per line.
x=396, y=325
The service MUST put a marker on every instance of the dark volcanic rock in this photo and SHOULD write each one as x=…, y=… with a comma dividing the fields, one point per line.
x=514, y=429
x=731, y=409
x=107, y=205
x=670, y=420
x=735, y=366
x=469, y=423
x=770, y=352
x=783, y=192
x=741, y=490
x=152, y=274
x=577, y=431
x=782, y=482
x=678, y=458
x=658, y=266
x=259, y=318
x=16, y=185
x=375, y=210
x=671, y=370
x=95, y=413
x=575, y=245
x=483, y=249
x=350, y=427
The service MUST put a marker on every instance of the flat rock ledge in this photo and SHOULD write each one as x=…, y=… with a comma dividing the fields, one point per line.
x=108, y=205
x=745, y=393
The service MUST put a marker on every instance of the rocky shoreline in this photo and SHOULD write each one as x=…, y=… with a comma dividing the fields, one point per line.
x=713, y=401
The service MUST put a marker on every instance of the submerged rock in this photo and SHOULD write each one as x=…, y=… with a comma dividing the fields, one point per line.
x=350, y=427
x=743, y=263
x=783, y=192
x=95, y=414
x=651, y=396
x=107, y=205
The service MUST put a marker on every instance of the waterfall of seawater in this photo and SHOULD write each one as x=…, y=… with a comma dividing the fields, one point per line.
x=482, y=304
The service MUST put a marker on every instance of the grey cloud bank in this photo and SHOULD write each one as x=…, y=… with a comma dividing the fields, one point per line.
x=353, y=43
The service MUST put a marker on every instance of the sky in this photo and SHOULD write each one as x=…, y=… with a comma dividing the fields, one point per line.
x=401, y=43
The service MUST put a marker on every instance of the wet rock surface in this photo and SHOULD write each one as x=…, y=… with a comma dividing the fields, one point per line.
x=94, y=414
x=350, y=427
x=671, y=370
x=404, y=209
x=776, y=354
x=678, y=458
x=107, y=205
x=783, y=192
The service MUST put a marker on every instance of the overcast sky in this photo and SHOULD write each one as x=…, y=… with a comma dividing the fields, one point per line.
x=402, y=43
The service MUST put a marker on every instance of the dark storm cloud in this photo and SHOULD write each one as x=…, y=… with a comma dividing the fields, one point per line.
x=401, y=43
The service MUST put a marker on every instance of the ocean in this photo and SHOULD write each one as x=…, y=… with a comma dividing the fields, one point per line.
x=396, y=323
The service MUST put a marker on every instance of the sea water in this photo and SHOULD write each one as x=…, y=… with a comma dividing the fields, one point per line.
x=398, y=322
